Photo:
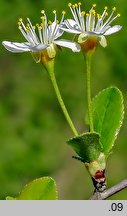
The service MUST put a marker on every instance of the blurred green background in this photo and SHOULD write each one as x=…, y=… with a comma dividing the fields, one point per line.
x=33, y=130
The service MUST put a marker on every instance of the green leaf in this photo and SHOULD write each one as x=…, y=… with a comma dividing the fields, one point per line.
x=108, y=113
x=39, y=189
x=87, y=146
x=10, y=198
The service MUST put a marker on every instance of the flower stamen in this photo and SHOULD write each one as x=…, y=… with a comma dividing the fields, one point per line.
x=91, y=23
x=63, y=15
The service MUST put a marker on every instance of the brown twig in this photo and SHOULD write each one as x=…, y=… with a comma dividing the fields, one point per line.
x=111, y=191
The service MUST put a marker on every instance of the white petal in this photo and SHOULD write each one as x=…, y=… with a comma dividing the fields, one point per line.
x=70, y=26
x=103, y=41
x=71, y=30
x=16, y=47
x=39, y=47
x=113, y=29
x=75, y=47
x=104, y=29
x=55, y=31
x=58, y=33
x=70, y=23
x=53, y=26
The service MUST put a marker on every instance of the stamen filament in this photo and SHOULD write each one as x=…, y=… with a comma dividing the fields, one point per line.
x=40, y=34
x=107, y=22
x=75, y=16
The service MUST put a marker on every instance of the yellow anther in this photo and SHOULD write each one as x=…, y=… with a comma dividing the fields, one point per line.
x=20, y=27
x=76, y=5
x=54, y=11
x=43, y=12
x=73, y=6
x=114, y=8
x=20, y=19
x=94, y=5
x=92, y=12
x=69, y=4
x=83, y=13
x=27, y=25
x=49, y=22
x=19, y=23
x=63, y=12
x=87, y=14
x=37, y=25
x=42, y=17
x=105, y=7
x=79, y=3
x=106, y=14
x=57, y=21
x=34, y=27
x=118, y=14
x=98, y=16
x=27, y=29
x=43, y=21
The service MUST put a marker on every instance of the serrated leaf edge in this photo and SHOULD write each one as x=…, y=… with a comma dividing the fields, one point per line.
x=35, y=180
x=122, y=105
x=82, y=135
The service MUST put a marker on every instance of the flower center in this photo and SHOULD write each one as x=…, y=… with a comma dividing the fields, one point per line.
x=89, y=43
x=43, y=57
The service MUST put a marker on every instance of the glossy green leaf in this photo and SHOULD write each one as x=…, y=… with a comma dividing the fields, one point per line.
x=39, y=189
x=108, y=112
x=87, y=146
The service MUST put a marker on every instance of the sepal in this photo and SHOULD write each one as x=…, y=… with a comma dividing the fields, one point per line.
x=87, y=146
x=89, y=151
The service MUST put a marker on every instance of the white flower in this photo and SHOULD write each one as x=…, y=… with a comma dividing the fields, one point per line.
x=41, y=37
x=90, y=24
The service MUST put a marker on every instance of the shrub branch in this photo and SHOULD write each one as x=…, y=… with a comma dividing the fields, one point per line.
x=109, y=192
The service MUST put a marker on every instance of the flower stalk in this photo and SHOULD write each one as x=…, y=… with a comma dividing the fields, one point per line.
x=88, y=76
x=50, y=69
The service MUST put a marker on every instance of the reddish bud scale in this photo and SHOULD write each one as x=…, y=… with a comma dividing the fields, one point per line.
x=99, y=175
x=99, y=181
